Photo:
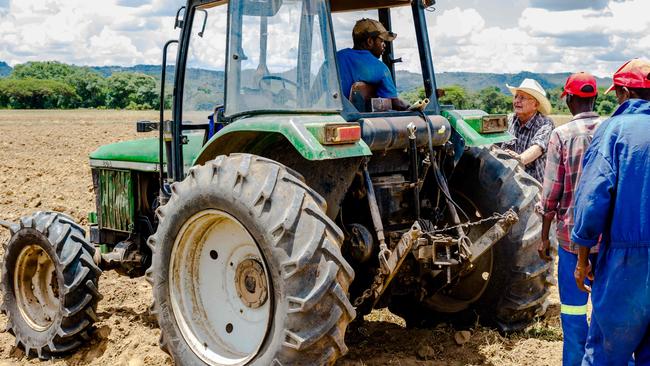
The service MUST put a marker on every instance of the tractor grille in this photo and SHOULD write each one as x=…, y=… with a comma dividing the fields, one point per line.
x=115, y=207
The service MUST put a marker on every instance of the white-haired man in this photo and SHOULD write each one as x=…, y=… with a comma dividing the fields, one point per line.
x=530, y=126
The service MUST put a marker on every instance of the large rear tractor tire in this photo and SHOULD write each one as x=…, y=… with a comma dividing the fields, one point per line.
x=520, y=281
x=247, y=269
x=509, y=285
x=49, y=285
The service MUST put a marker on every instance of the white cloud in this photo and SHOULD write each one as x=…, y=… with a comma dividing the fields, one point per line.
x=552, y=37
x=619, y=18
x=568, y=5
x=629, y=16
x=461, y=42
x=113, y=48
x=544, y=40
x=459, y=23
x=81, y=32
x=542, y=21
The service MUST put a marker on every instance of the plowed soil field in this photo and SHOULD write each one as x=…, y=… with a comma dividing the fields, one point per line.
x=44, y=166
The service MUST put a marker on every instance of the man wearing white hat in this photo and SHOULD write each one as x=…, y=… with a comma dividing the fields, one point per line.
x=530, y=126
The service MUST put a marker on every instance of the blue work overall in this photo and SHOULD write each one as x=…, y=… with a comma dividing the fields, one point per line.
x=613, y=200
x=573, y=310
x=621, y=301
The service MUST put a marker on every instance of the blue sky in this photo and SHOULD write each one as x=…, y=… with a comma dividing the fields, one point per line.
x=466, y=35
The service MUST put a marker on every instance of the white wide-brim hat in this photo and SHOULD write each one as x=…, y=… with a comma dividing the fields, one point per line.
x=532, y=87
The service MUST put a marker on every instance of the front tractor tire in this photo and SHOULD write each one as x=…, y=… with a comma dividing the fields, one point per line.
x=49, y=285
x=247, y=269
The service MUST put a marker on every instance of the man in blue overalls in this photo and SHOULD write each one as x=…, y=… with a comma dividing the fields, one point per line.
x=613, y=200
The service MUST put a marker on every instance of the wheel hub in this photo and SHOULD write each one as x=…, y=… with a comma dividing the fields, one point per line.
x=36, y=287
x=250, y=283
x=219, y=290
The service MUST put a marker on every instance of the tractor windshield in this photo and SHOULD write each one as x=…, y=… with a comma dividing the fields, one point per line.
x=280, y=57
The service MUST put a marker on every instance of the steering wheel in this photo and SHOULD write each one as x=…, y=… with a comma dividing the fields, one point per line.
x=284, y=95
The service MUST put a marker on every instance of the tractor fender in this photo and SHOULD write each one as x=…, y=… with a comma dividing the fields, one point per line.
x=464, y=123
x=255, y=134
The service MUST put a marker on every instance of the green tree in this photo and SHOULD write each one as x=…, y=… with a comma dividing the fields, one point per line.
x=606, y=104
x=558, y=104
x=89, y=85
x=36, y=94
x=492, y=100
x=50, y=70
x=606, y=108
x=91, y=88
x=414, y=95
x=131, y=90
x=457, y=96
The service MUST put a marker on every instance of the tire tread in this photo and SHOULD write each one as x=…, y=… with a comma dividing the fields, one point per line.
x=301, y=237
x=65, y=241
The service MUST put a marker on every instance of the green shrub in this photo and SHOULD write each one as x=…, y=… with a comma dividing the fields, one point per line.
x=131, y=90
x=36, y=94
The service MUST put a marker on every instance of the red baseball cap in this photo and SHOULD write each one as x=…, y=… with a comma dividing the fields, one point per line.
x=577, y=84
x=633, y=74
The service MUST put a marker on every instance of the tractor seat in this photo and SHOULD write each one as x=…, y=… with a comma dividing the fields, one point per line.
x=364, y=98
x=361, y=95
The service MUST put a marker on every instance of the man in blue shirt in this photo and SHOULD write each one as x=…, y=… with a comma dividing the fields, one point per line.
x=362, y=63
x=613, y=201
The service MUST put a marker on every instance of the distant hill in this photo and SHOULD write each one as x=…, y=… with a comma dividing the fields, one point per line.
x=5, y=69
x=471, y=81
x=406, y=81
x=152, y=70
x=474, y=81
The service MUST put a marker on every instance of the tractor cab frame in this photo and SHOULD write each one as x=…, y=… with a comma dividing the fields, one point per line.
x=312, y=72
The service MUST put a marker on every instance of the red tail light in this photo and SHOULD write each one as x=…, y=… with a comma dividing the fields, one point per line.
x=342, y=134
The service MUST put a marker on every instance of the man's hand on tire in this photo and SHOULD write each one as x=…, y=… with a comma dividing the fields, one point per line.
x=513, y=155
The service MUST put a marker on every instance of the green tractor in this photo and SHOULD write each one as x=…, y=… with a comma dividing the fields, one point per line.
x=270, y=211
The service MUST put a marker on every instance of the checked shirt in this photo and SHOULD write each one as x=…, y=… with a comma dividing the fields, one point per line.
x=566, y=150
x=535, y=132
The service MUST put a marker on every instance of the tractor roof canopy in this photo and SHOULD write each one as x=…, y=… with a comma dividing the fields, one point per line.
x=348, y=5
x=343, y=5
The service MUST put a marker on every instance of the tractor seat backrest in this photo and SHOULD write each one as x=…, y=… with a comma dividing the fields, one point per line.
x=361, y=95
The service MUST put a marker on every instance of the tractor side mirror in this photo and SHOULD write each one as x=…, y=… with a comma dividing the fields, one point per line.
x=178, y=23
x=146, y=126
x=205, y=21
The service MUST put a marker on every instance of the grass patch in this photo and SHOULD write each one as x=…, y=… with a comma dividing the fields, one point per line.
x=542, y=331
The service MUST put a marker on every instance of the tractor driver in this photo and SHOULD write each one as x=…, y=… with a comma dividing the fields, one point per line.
x=362, y=64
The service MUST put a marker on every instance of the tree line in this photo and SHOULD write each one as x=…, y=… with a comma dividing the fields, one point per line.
x=492, y=100
x=50, y=85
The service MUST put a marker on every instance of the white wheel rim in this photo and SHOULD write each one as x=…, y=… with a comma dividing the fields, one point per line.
x=36, y=287
x=220, y=326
